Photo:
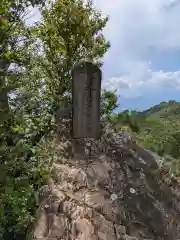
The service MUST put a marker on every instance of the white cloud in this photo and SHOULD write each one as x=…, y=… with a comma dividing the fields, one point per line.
x=129, y=86
x=143, y=23
x=134, y=28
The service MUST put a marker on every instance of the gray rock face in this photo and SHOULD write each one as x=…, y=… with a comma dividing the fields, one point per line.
x=118, y=191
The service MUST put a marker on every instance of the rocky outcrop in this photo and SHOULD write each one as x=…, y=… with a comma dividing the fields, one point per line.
x=117, y=191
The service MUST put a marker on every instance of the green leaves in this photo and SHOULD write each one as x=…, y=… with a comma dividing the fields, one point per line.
x=3, y=21
x=127, y=118
x=109, y=102
x=39, y=82
x=16, y=200
x=13, y=207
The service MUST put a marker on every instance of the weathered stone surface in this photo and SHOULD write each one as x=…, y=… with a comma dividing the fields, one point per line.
x=86, y=92
x=116, y=194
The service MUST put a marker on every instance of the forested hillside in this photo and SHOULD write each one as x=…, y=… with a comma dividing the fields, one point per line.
x=160, y=126
x=157, y=128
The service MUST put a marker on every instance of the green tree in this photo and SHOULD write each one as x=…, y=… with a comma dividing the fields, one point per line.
x=15, y=189
x=70, y=32
x=36, y=86
x=128, y=118
x=109, y=102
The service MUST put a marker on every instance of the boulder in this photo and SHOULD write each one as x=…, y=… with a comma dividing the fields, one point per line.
x=117, y=192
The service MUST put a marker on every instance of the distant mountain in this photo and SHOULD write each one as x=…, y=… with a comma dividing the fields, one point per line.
x=160, y=128
x=163, y=110
x=142, y=103
x=157, y=128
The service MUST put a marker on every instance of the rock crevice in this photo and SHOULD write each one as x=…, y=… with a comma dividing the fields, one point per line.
x=115, y=193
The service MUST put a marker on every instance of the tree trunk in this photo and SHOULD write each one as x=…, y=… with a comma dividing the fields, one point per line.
x=4, y=65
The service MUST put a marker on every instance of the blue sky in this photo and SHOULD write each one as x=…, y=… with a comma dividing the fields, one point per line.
x=143, y=63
